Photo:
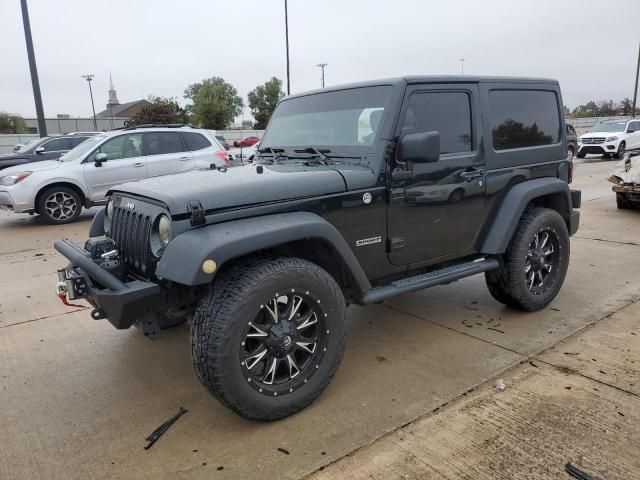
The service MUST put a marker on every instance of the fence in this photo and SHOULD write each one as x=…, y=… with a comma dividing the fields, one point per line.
x=589, y=122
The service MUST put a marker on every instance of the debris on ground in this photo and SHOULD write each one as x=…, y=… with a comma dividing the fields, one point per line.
x=283, y=450
x=499, y=385
x=158, y=432
x=575, y=472
x=626, y=171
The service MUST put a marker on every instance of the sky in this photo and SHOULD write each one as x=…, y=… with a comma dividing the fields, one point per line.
x=159, y=47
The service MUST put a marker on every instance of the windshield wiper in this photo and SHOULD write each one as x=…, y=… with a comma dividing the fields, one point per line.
x=276, y=154
x=326, y=155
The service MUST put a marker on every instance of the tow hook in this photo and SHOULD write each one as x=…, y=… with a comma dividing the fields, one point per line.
x=62, y=295
x=66, y=281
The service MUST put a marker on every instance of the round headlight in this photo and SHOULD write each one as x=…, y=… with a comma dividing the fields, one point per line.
x=164, y=230
x=109, y=210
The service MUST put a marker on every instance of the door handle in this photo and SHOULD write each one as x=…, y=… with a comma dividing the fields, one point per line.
x=183, y=159
x=138, y=165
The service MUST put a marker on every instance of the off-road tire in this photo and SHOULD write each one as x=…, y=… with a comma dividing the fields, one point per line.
x=621, y=202
x=580, y=155
x=220, y=321
x=508, y=283
x=63, y=192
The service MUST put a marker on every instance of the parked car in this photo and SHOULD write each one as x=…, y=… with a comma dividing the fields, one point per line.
x=222, y=141
x=572, y=141
x=264, y=258
x=612, y=137
x=46, y=148
x=59, y=189
x=246, y=142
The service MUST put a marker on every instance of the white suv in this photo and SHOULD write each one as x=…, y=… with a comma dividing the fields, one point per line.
x=612, y=137
x=58, y=189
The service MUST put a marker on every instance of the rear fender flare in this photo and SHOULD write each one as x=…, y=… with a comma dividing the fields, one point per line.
x=183, y=258
x=503, y=225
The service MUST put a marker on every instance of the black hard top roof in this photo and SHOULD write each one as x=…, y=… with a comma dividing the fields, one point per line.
x=411, y=79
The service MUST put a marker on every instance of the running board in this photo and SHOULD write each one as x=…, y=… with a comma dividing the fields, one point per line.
x=425, y=280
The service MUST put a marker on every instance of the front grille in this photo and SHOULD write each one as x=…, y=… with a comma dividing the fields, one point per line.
x=131, y=231
x=595, y=140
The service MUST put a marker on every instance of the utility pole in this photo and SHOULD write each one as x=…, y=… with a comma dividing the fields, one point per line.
x=322, y=66
x=88, y=78
x=286, y=32
x=635, y=90
x=462, y=66
x=35, y=83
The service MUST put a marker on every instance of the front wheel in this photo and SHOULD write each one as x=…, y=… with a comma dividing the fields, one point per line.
x=621, y=201
x=269, y=336
x=580, y=155
x=621, y=149
x=59, y=205
x=535, y=264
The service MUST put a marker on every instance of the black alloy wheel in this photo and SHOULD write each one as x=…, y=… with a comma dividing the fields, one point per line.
x=542, y=259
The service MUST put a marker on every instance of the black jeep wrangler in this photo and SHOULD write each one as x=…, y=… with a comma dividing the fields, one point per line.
x=358, y=193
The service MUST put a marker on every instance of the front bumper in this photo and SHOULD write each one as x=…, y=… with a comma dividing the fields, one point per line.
x=598, y=149
x=15, y=201
x=122, y=303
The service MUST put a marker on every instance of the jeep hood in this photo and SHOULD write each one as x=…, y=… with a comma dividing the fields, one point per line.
x=601, y=134
x=242, y=186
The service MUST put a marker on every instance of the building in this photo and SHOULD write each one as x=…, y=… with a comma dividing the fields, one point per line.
x=117, y=109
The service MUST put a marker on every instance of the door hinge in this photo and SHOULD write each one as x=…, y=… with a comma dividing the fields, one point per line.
x=396, y=243
x=198, y=216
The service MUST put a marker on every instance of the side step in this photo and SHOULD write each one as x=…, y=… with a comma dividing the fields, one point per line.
x=425, y=280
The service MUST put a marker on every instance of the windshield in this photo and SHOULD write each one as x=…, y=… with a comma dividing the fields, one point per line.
x=609, y=127
x=83, y=148
x=349, y=117
x=29, y=144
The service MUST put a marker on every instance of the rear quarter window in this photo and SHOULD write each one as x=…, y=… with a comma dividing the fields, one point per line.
x=524, y=118
x=195, y=141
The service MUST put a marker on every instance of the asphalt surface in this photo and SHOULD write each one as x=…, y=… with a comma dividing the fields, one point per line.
x=79, y=397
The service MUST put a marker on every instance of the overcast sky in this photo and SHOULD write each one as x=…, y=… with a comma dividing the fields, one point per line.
x=160, y=46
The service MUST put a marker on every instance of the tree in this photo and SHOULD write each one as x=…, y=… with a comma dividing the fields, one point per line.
x=160, y=110
x=626, y=106
x=606, y=108
x=263, y=101
x=12, y=123
x=215, y=103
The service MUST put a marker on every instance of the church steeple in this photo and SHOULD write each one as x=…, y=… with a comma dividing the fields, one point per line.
x=113, y=96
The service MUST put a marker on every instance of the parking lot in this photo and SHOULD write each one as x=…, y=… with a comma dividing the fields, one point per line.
x=79, y=397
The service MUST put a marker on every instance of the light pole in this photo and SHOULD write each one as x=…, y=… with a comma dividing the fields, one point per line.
x=35, y=83
x=286, y=32
x=462, y=66
x=88, y=78
x=322, y=66
x=635, y=90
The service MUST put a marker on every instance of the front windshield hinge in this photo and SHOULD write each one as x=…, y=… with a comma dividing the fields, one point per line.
x=198, y=216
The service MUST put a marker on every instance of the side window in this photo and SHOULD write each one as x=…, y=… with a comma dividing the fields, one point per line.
x=524, y=118
x=635, y=126
x=75, y=141
x=195, y=141
x=448, y=113
x=55, y=145
x=164, y=142
x=122, y=146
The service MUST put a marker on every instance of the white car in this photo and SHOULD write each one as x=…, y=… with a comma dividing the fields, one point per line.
x=612, y=137
x=58, y=189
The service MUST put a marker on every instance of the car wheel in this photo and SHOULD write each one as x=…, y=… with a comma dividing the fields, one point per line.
x=570, y=153
x=456, y=196
x=580, y=155
x=269, y=336
x=621, y=201
x=59, y=205
x=535, y=264
x=621, y=150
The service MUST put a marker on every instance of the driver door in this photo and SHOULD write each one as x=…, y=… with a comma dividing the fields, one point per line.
x=125, y=163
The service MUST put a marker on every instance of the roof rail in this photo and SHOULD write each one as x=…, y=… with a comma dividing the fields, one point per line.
x=158, y=125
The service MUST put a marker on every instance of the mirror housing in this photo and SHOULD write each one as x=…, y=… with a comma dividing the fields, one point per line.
x=631, y=130
x=99, y=158
x=39, y=150
x=420, y=147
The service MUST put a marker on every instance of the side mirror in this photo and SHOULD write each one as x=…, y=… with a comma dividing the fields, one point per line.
x=420, y=147
x=100, y=157
x=630, y=131
x=39, y=150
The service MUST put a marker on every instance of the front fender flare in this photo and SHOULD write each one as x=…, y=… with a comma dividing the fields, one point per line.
x=182, y=260
x=500, y=230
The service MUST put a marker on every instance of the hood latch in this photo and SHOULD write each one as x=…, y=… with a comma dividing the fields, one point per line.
x=198, y=216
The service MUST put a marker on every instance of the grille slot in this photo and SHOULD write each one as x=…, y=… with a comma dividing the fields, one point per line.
x=131, y=232
x=592, y=141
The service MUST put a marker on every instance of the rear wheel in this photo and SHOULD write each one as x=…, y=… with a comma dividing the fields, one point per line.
x=59, y=205
x=535, y=264
x=269, y=336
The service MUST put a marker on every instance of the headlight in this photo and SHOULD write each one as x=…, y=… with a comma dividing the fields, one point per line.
x=109, y=211
x=611, y=139
x=13, y=179
x=164, y=230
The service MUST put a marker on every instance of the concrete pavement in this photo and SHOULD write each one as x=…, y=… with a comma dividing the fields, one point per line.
x=80, y=397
